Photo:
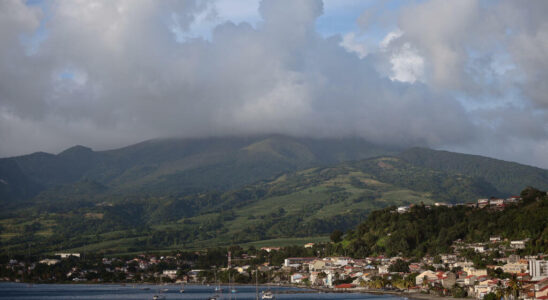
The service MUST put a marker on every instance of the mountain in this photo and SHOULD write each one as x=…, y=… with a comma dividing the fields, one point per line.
x=177, y=166
x=508, y=177
x=193, y=193
x=304, y=203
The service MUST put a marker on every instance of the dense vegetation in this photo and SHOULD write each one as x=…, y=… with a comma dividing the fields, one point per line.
x=507, y=177
x=307, y=203
x=195, y=193
x=433, y=230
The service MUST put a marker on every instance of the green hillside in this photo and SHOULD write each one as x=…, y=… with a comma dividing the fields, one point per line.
x=433, y=230
x=193, y=193
x=507, y=177
x=306, y=203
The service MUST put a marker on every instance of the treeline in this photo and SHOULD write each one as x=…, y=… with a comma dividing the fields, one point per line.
x=433, y=230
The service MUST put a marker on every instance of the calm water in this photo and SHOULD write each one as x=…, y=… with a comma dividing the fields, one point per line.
x=19, y=291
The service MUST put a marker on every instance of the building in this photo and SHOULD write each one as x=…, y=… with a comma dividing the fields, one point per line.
x=49, y=261
x=425, y=277
x=514, y=268
x=270, y=249
x=170, y=273
x=297, y=261
x=403, y=209
x=517, y=244
x=67, y=255
x=538, y=268
x=483, y=203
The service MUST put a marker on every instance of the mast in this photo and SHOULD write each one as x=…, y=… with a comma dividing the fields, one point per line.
x=257, y=284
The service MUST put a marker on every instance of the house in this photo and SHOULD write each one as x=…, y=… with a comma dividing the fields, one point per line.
x=517, y=244
x=172, y=274
x=270, y=249
x=425, y=277
x=49, y=261
x=414, y=268
x=514, y=268
x=309, y=245
x=67, y=255
x=479, y=249
x=316, y=279
x=383, y=269
x=541, y=289
x=403, y=209
x=297, y=278
x=317, y=265
x=341, y=261
x=470, y=280
x=496, y=202
x=474, y=271
x=494, y=239
x=483, y=203
x=483, y=288
x=297, y=261
x=513, y=199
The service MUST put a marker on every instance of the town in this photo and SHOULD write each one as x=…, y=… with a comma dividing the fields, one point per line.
x=488, y=270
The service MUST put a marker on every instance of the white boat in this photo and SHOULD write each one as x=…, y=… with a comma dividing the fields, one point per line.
x=159, y=297
x=268, y=295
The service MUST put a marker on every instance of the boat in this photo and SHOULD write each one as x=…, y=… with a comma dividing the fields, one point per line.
x=159, y=297
x=268, y=295
x=182, y=290
x=164, y=290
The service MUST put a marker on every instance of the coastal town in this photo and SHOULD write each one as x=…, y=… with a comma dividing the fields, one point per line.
x=492, y=269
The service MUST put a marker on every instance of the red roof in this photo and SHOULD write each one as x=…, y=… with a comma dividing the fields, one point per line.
x=345, y=286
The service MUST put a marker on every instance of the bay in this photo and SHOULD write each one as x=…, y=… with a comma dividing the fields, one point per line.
x=23, y=291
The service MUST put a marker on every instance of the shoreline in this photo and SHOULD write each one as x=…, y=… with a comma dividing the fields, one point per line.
x=416, y=295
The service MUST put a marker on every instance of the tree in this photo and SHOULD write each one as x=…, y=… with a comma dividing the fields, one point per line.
x=336, y=236
x=399, y=266
x=490, y=296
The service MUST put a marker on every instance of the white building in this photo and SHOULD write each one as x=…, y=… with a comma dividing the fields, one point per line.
x=170, y=273
x=67, y=255
x=538, y=268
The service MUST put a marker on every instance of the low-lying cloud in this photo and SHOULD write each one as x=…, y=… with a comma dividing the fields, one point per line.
x=458, y=75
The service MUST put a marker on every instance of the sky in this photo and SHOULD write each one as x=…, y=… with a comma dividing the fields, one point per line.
x=466, y=76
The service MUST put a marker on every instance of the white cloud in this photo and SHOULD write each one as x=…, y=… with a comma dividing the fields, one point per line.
x=127, y=79
x=350, y=43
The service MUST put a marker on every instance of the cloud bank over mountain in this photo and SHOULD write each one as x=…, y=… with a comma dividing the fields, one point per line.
x=460, y=75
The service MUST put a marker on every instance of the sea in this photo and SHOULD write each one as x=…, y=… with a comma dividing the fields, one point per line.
x=23, y=291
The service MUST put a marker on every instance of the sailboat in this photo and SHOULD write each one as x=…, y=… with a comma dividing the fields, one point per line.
x=268, y=295
x=182, y=290
x=217, y=289
x=233, y=288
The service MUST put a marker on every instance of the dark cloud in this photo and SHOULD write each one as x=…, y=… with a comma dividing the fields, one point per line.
x=110, y=73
